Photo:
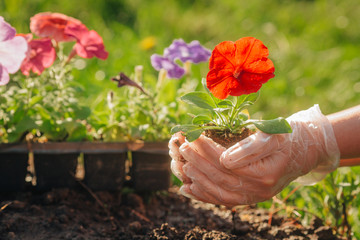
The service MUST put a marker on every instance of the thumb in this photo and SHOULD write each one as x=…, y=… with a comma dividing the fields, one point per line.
x=249, y=150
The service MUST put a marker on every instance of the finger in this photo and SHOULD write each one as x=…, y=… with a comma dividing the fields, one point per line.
x=176, y=168
x=219, y=176
x=189, y=191
x=208, y=149
x=175, y=154
x=175, y=142
x=203, y=196
x=251, y=149
x=186, y=191
x=271, y=173
x=203, y=185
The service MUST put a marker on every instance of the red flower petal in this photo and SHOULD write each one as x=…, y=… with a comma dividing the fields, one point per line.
x=52, y=25
x=238, y=68
x=89, y=43
x=41, y=55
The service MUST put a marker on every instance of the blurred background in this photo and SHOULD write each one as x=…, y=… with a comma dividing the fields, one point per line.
x=315, y=45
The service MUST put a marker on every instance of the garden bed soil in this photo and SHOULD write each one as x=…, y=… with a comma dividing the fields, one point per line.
x=83, y=214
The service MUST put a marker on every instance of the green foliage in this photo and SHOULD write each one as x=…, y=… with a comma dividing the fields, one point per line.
x=199, y=99
x=225, y=115
x=46, y=106
x=147, y=112
x=335, y=200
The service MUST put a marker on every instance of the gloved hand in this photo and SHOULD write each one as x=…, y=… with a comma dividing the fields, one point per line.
x=261, y=165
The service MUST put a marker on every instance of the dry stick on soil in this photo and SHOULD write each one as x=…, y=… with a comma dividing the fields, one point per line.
x=141, y=216
x=272, y=212
x=5, y=206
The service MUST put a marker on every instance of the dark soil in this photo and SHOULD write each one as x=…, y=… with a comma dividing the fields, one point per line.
x=82, y=214
x=226, y=138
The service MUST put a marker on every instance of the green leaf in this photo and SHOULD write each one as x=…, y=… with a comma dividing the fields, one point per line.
x=246, y=100
x=191, y=132
x=19, y=113
x=201, y=119
x=243, y=116
x=225, y=103
x=44, y=113
x=203, y=82
x=252, y=97
x=76, y=131
x=183, y=128
x=3, y=100
x=200, y=99
x=24, y=125
x=82, y=112
x=34, y=100
x=274, y=126
x=53, y=131
x=222, y=110
x=194, y=134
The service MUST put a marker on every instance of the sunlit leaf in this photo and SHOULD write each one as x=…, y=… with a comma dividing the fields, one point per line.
x=274, y=126
x=183, y=128
x=199, y=99
x=225, y=103
x=194, y=134
x=201, y=119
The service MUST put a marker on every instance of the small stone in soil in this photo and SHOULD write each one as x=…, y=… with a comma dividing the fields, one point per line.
x=135, y=226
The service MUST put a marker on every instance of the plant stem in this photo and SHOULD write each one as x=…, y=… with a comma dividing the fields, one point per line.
x=221, y=119
x=233, y=110
x=219, y=114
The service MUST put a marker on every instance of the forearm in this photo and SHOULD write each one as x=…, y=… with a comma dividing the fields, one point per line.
x=346, y=125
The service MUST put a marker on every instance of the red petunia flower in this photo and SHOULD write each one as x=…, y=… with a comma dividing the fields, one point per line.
x=52, y=25
x=88, y=43
x=238, y=68
x=41, y=54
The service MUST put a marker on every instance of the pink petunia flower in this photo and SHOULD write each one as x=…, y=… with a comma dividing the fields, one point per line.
x=41, y=55
x=88, y=43
x=12, y=51
x=52, y=25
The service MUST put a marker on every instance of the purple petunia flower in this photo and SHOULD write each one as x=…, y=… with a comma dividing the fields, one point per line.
x=13, y=50
x=192, y=52
x=173, y=70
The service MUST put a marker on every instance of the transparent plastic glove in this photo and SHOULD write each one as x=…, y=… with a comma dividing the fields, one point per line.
x=178, y=160
x=260, y=166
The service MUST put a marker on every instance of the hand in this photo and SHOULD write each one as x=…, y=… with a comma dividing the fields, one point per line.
x=260, y=166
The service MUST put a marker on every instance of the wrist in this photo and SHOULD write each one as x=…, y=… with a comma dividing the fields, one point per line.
x=322, y=152
x=346, y=126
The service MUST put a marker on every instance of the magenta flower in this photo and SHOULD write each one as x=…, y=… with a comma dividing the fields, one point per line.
x=192, y=52
x=12, y=51
x=41, y=55
x=88, y=43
